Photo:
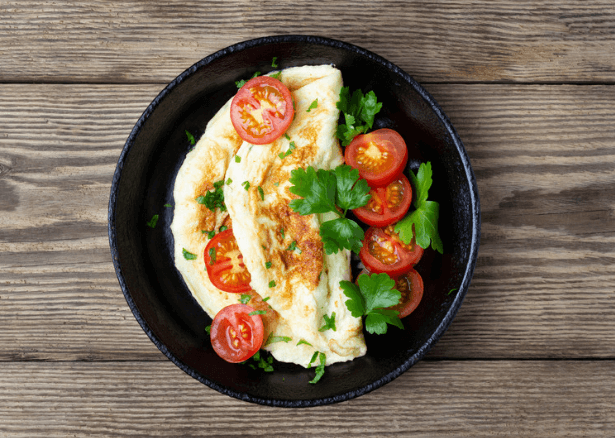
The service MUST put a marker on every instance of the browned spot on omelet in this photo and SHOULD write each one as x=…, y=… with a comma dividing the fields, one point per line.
x=304, y=264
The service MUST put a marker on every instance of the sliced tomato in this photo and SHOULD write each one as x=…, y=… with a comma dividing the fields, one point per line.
x=379, y=156
x=383, y=251
x=224, y=264
x=235, y=334
x=262, y=110
x=411, y=287
x=388, y=204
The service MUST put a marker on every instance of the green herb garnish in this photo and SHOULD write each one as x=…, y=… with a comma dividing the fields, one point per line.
x=372, y=298
x=153, y=221
x=303, y=341
x=246, y=185
x=214, y=198
x=313, y=105
x=237, y=159
x=257, y=312
x=273, y=339
x=272, y=283
x=424, y=219
x=329, y=323
x=261, y=192
x=267, y=265
x=223, y=228
x=274, y=64
x=245, y=298
x=243, y=81
x=293, y=247
x=359, y=111
x=190, y=138
x=212, y=256
x=320, y=369
x=326, y=190
x=168, y=205
x=208, y=329
x=188, y=255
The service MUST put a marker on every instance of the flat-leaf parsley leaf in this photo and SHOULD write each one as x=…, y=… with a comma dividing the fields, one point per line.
x=424, y=219
x=373, y=295
x=359, y=111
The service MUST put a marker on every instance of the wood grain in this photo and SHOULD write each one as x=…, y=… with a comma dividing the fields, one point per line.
x=153, y=41
x=544, y=285
x=448, y=399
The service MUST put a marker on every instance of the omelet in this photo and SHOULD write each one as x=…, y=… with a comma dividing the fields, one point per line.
x=292, y=277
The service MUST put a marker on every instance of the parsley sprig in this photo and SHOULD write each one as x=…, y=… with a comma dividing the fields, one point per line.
x=371, y=298
x=423, y=221
x=214, y=198
x=323, y=191
x=359, y=111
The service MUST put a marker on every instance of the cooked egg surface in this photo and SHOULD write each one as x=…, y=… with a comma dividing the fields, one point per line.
x=281, y=249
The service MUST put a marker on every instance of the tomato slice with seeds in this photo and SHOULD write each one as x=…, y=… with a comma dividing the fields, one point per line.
x=411, y=287
x=379, y=156
x=235, y=334
x=224, y=264
x=262, y=110
x=383, y=251
x=388, y=204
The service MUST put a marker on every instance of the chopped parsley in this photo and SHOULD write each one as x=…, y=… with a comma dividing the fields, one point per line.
x=359, y=111
x=212, y=256
x=329, y=323
x=282, y=233
x=263, y=361
x=214, y=198
x=229, y=181
x=320, y=369
x=372, y=297
x=237, y=159
x=272, y=283
x=243, y=81
x=246, y=185
x=274, y=63
x=424, y=219
x=223, y=228
x=245, y=298
x=313, y=105
x=266, y=299
x=208, y=329
x=257, y=312
x=261, y=192
x=276, y=75
x=452, y=290
x=326, y=190
x=188, y=255
x=267, y=265
x=190, y=138
x=293, y=247
x=168, y=205
x=292, y=146
x=273, y=339
x=153, y=221
x=303, y=341
x=210, y=234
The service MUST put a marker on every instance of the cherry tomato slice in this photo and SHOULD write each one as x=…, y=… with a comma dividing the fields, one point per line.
x=411, y=287
x=235, y=334
x=388, y=204
x=262, y=110
x=379, y=156
x=383, y=251
x=224, y=264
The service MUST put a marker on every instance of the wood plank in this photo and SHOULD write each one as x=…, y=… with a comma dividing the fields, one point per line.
x=544, y=286
x=434, y=399
x=128, y=41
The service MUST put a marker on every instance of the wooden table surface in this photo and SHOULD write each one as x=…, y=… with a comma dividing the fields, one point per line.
x=530, y=87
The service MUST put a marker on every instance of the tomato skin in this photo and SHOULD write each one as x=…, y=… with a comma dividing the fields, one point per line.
x=262, y=110
x=382, y=251
x=411, y=287
x=227, y=271
x=235, y=334
x=366, y=152
x=379, y=212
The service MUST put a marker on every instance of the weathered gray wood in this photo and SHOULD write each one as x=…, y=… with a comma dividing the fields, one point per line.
x=131, y=41
x=544, y=286
x=432, y=399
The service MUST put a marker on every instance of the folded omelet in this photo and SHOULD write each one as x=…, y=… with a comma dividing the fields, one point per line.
x=282, y=250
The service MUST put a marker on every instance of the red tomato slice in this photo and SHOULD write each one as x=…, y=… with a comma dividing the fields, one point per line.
x=411, y=287
x=388, y=204
x=379, y=156
x=224, y=264
x=383, y=251
x=262, y=110
x=235, y=334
